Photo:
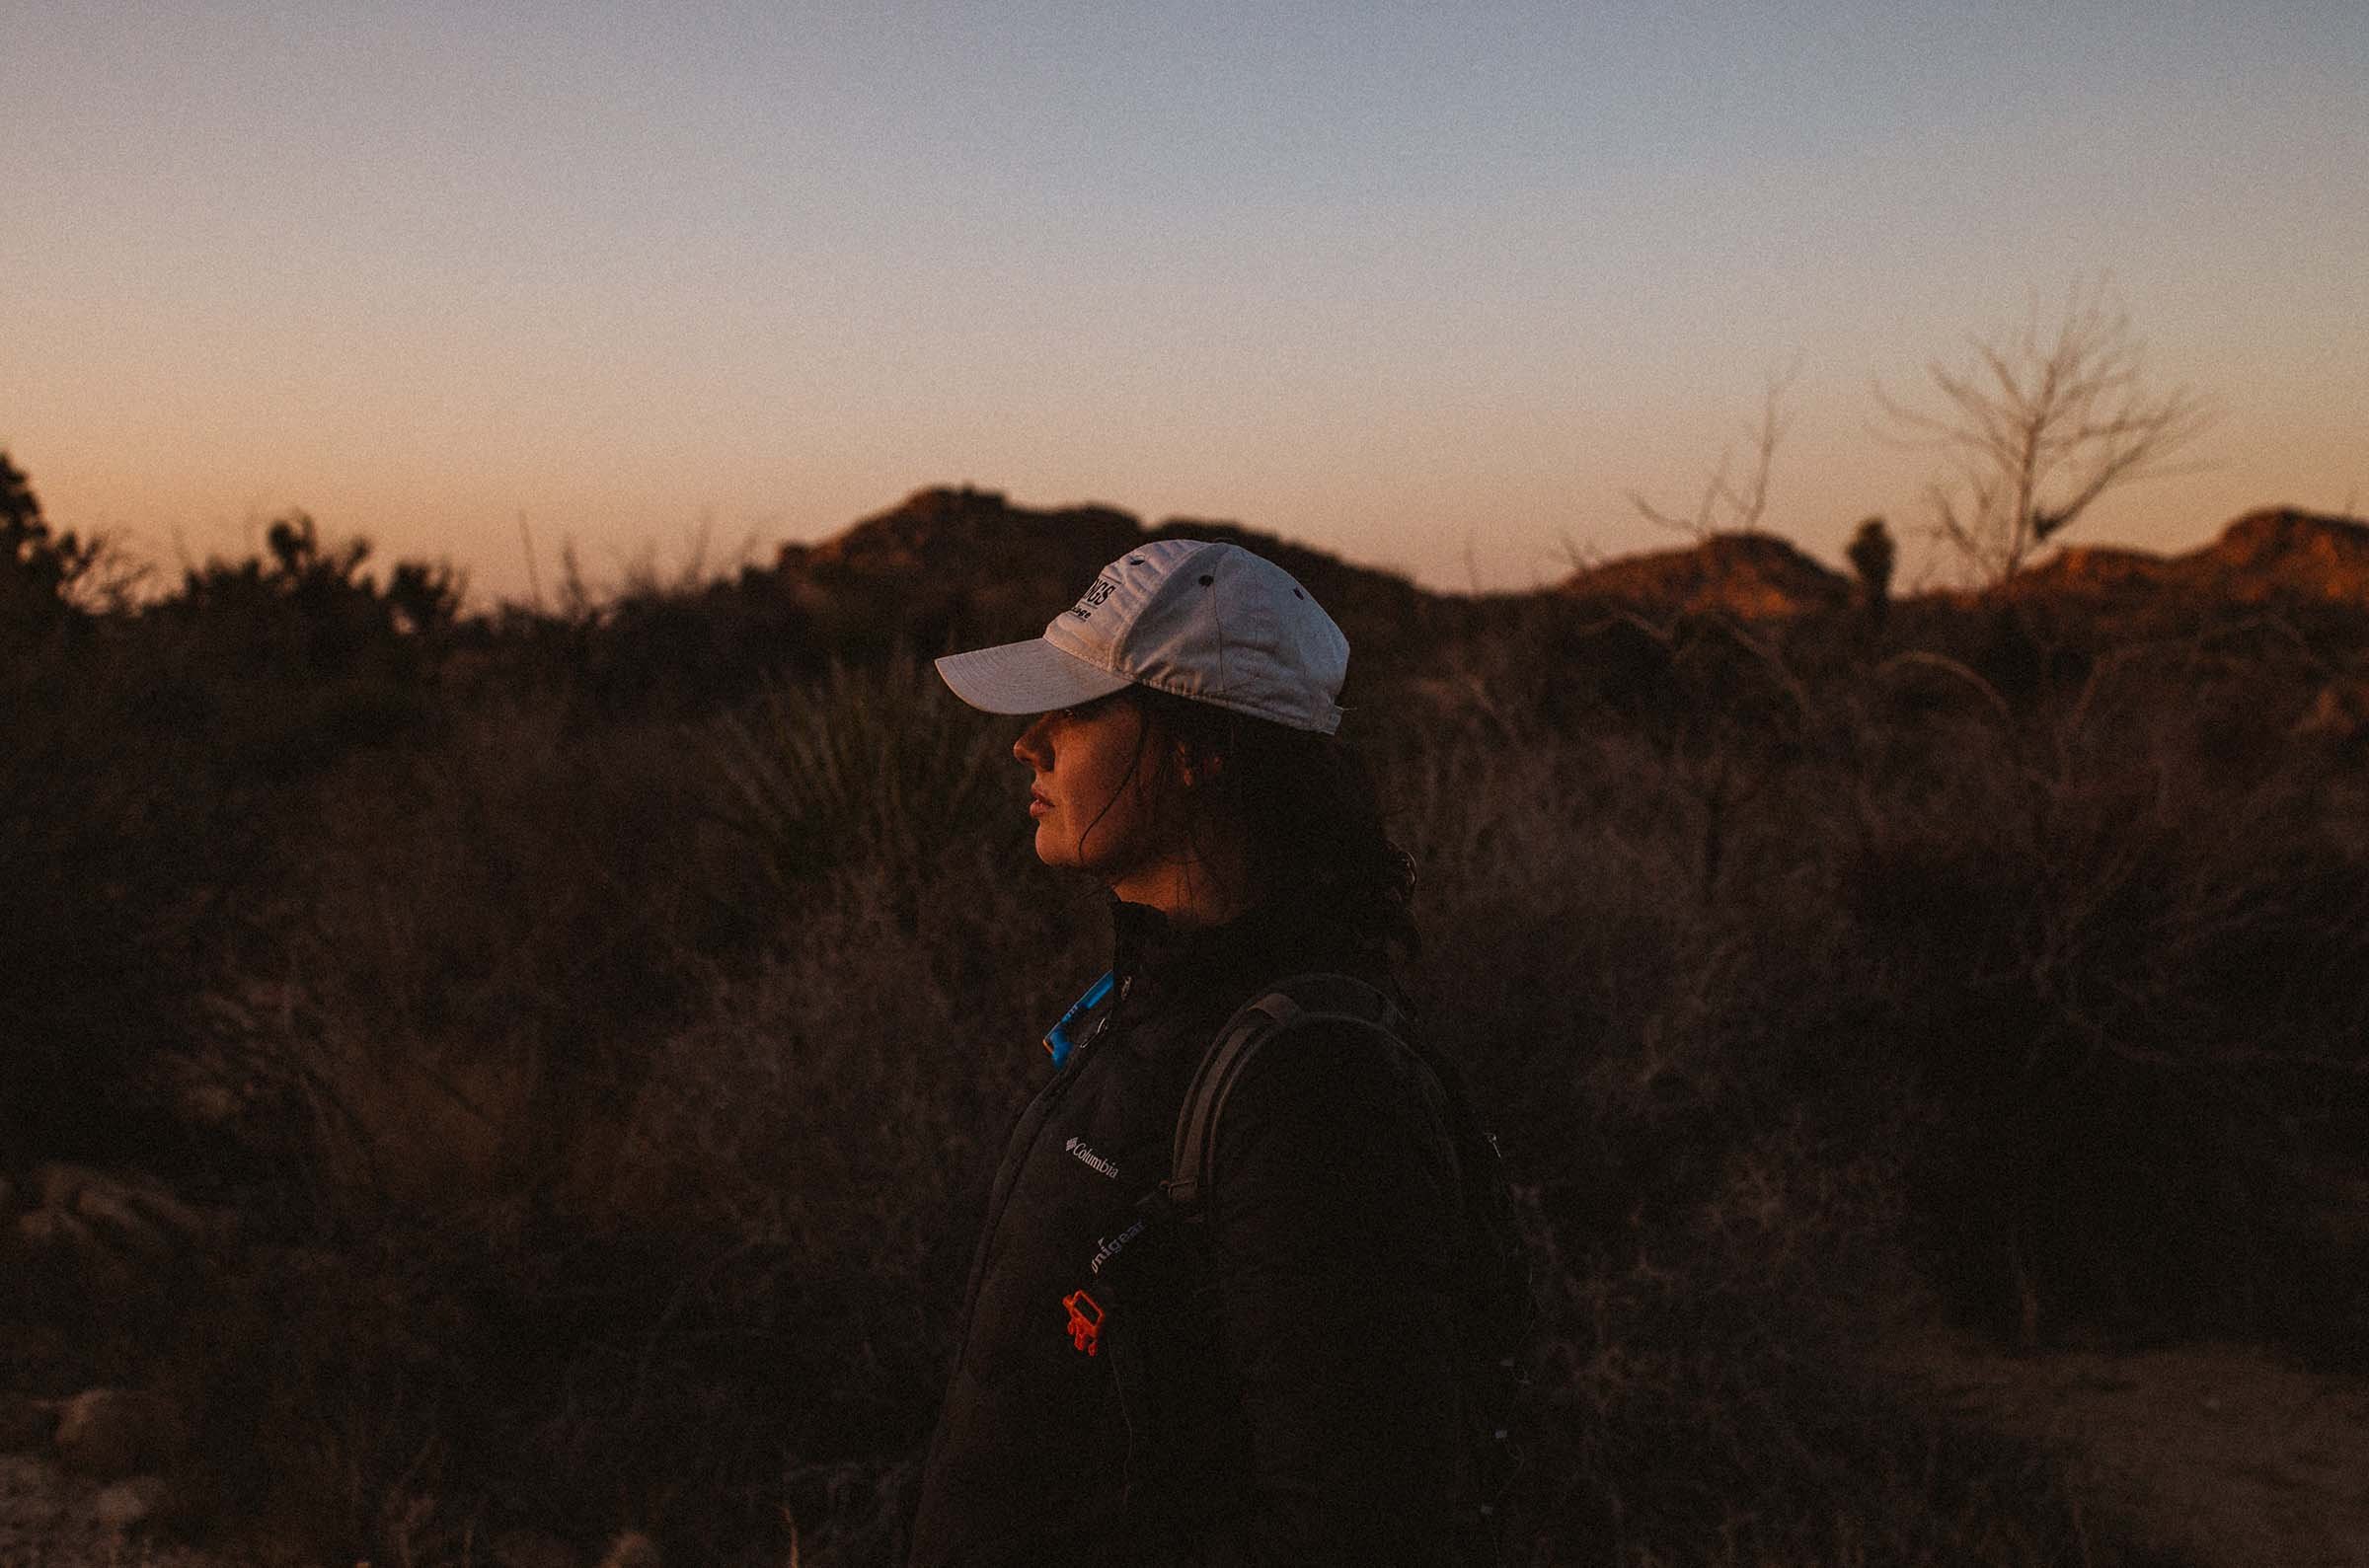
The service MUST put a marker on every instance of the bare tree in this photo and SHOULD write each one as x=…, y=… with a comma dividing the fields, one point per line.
x=1728, y=504
x=2034, y=427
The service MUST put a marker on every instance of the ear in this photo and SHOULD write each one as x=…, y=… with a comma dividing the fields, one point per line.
x=1192, y=771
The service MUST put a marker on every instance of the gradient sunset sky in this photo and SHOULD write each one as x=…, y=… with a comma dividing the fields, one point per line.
x=1432, y=286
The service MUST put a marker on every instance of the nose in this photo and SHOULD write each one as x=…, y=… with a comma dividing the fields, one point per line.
x=1031, y=749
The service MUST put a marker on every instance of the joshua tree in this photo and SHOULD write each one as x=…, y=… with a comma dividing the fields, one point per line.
x=2035, y=426
x=1873, y=556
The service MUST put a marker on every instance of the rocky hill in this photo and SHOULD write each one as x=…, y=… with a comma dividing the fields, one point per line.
x=2283, y=552
x=957, y=566
x=1750, y=575
x=2275, y=555
x=947, y=567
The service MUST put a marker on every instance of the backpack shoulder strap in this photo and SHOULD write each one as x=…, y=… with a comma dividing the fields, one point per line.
x=1302, y=998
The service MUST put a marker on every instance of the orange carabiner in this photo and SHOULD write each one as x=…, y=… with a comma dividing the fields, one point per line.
x=1085, y=1321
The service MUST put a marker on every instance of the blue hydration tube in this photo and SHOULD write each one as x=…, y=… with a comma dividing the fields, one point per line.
x=1056, y=1038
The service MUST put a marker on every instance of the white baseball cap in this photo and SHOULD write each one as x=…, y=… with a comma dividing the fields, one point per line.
x=1210, y=622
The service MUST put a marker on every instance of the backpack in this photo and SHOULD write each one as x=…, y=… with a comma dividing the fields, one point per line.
x=1499, y=1306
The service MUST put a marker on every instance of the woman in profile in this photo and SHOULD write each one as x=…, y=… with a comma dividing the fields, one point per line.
x=1254, y=1360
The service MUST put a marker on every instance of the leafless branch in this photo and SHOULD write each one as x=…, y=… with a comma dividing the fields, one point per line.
x=2034, y=427
x=1730, y=505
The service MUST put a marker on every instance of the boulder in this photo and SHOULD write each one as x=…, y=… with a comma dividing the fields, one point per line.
x=631, y=1549
x=111, y=1211
x=46, y=1231
x=149, y=1217
x=114, y=1433
x=129, y=1504
x=58, y=1181
x=70, y=1249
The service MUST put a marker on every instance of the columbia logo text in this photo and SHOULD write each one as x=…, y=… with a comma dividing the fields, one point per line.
x=1094, y=1161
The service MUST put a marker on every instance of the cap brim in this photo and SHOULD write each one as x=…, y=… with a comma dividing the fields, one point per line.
x=1031, y=677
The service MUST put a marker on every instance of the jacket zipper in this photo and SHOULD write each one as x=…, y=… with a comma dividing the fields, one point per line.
x=1042, y=1108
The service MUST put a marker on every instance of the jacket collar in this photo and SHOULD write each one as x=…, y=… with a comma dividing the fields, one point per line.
x=1265, y=943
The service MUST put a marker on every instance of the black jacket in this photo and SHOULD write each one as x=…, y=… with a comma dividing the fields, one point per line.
x=1277, y=1385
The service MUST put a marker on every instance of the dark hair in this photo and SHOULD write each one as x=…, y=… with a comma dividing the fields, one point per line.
x=1311, y=812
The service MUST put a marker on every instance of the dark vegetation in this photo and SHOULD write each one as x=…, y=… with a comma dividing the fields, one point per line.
x=604, y=1020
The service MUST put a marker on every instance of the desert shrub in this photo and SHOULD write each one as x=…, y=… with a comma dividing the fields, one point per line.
x=125, y=837
x=2116, y=960
x=290, y=663
x=876, y=766
x=470, y=944
x=43, y=570
x=1713, y=1402
x=153, y=767
x=688, y=646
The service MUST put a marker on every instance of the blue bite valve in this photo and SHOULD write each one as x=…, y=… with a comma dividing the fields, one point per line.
x=1056, y=1038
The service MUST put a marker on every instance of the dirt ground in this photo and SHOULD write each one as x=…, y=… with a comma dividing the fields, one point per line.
x=2220, y=1452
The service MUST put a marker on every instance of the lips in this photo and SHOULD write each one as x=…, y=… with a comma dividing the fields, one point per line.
x=1038, y=805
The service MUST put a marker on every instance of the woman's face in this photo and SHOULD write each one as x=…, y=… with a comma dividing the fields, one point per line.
x=1100, y=792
